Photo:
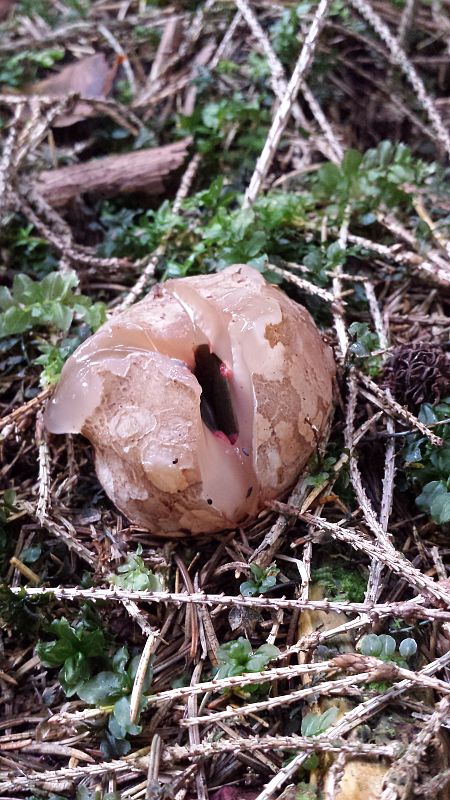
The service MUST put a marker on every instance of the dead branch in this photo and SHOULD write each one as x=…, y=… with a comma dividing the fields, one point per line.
x=308, y=745
x=143, y=171
x=27, y=408
x=403, y=775
x=407, y=609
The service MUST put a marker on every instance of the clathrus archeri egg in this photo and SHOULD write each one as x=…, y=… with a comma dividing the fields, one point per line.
x=203, y=401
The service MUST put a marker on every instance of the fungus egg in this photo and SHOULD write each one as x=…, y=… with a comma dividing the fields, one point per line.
x=203, y=401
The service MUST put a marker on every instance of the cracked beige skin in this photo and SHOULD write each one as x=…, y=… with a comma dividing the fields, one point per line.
x=131, y=390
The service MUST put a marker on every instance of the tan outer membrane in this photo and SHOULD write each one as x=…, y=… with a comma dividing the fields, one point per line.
x=131, y=391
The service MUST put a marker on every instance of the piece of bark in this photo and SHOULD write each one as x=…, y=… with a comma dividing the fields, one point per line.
x=140, y=171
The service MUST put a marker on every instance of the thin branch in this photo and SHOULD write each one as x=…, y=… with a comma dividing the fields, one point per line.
x=402, y=414
x=117, y=47
x=151, y=262
x=329, y=687
x=44, y=492
x=338, y=314
x=194, y=736
x=62, y=529
x=399, y=57
x=406, y=22
x=387, y=498
x=27, y=408
x=285, y=108
x=373, y=586
x=306, y=744
x=346, y=723
x=277, y=74
x=432, y=788
x=403, y=774
x=334, y=776
x=302, y=284
x=407, y=608
x=387, y=555
x=71, y=773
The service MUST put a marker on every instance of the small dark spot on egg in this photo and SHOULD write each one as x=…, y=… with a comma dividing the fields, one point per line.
x=175, y=461
x=209, y=501
x=245, y=451
x=250, y=490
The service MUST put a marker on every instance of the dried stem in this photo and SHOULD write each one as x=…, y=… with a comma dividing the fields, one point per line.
x=141, y=673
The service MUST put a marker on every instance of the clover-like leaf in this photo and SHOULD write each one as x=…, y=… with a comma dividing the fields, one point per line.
x=119, y=724
x=104, y=688
x=315, y=724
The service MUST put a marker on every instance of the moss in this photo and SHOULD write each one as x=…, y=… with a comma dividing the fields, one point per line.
x=341, y=583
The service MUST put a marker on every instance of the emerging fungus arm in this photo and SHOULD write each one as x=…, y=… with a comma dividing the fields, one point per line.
x=202, y=401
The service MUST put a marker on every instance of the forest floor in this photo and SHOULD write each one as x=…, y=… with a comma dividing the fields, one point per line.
x=308, y=655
